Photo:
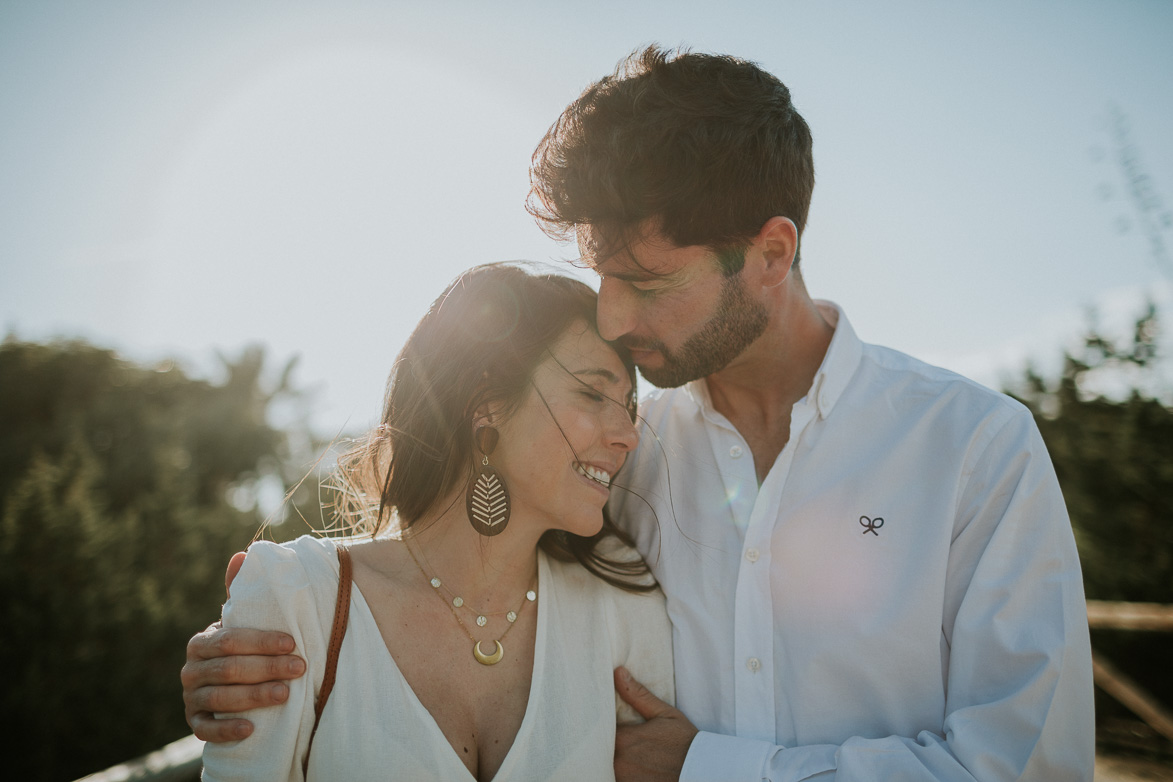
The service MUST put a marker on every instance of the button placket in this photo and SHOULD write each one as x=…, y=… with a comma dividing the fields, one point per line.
x=753, y=620
x=755, y=711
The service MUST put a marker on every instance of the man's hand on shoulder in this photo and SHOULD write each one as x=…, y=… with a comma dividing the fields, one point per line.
x=234, y=670
x=654, y=750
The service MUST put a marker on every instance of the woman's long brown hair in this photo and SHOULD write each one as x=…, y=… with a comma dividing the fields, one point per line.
x=475, y=349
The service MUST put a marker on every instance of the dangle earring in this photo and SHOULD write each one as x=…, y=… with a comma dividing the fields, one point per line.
x=487, y=499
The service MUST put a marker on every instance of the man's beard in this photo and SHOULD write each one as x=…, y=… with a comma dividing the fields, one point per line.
x=739, y=321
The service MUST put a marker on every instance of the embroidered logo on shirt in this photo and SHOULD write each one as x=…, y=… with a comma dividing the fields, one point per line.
x=871, y=525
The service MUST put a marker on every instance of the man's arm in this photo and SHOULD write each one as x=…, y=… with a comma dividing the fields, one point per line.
x=1018, y=692
x=234, y=670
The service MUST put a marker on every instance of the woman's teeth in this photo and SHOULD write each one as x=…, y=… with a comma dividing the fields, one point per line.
x=594, y=474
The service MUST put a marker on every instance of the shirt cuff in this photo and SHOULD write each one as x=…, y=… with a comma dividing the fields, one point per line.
x=712, y=757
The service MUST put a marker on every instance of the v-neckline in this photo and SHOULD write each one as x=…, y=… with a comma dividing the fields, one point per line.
x=536, y=681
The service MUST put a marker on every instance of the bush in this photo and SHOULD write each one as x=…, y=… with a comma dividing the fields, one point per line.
x=1113, y=453
x=114, y=531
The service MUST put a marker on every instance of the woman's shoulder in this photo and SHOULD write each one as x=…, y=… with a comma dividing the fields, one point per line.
x=591, y=587
x=304, y=559
x=298, y=573
x=635, y=623
x=306, y=546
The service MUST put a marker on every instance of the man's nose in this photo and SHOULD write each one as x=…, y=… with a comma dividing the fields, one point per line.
x=615, y=312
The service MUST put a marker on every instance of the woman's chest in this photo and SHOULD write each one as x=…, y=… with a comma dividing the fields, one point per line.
x=476, y=698
x=411, y=710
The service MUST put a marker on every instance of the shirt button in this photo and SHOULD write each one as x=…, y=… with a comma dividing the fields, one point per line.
x=752, y=554
x=735, y=452
x=753, y=664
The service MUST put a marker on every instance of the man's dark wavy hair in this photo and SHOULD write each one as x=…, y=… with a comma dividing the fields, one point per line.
x=708, y=147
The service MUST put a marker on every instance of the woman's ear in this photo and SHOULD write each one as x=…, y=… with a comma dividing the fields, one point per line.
x=486, y=415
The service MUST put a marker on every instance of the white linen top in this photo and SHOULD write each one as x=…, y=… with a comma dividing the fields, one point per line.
x=899, y=599
x=374, y=727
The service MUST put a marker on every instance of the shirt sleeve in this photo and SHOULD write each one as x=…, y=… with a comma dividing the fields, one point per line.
x=272, y=592
x=642, y=643
x=1019, y=685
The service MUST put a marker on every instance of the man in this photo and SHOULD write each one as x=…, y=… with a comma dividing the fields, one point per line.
x=869, y=569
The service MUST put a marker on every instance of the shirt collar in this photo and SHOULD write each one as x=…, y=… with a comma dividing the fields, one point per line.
x=839, y=364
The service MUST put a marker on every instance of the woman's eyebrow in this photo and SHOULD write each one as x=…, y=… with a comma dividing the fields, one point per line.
x=609, y=377
x=606, y=374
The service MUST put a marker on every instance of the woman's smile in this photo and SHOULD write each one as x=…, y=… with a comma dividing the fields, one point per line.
x=598, y=478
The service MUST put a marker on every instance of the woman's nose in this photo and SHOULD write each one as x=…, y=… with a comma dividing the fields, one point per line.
x=622, y=433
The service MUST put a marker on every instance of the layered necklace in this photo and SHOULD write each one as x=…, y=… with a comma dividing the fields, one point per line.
x=454, y=601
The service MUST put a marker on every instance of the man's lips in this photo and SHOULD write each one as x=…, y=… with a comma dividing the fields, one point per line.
x=641, y=350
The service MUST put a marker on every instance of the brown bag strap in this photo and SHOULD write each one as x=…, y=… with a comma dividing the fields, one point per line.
x=341, y=617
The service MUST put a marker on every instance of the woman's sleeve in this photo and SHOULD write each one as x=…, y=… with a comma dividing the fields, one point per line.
x=272, y=592
x=642, y=643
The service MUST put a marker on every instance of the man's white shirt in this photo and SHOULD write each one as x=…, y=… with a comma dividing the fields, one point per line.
x=899, y=599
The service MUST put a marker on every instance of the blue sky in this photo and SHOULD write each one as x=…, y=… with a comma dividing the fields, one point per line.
x=179, y=178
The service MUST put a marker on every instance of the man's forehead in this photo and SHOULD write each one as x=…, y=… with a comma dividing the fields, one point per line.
x=646, y=256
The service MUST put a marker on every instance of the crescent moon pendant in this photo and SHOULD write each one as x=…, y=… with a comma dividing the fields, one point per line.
x=487, y=659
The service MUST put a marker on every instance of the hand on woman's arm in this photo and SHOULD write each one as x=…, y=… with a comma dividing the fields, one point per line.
x=655, y=749
x=273, y=593
x=234, y=670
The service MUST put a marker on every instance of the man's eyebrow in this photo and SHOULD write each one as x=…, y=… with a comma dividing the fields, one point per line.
x=629, y=271
x=632, y=276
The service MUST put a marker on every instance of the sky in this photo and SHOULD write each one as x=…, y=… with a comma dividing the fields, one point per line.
x=183, y=179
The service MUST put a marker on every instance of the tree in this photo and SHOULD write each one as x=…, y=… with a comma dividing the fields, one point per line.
x=1113, y=453
x=115, y=526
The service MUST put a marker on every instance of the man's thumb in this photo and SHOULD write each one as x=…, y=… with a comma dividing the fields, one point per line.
x=639, y=697
x=234, y=566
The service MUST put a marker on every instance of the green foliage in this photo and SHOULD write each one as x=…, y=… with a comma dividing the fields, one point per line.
x=1113, y=453
x=1114, y=459
x=114, y=533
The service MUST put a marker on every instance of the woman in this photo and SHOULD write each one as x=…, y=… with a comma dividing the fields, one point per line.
x=492, y=597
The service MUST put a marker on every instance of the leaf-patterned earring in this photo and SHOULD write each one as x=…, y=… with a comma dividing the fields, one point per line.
x=487, y=498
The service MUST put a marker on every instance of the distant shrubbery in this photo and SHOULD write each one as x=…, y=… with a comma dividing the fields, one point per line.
x=1114, y=459
x=114, y=531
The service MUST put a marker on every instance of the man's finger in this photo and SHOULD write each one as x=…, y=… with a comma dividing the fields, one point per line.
x=238, y=670
x=233, y=700
x=218, y=641
x=207, y=728
x=639, y=697
x=234, y=566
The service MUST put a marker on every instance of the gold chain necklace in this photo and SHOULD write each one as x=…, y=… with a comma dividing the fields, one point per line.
x=482, y=617
x=531, y=595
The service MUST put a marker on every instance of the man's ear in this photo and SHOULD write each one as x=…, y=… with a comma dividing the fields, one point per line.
x=777, y=243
